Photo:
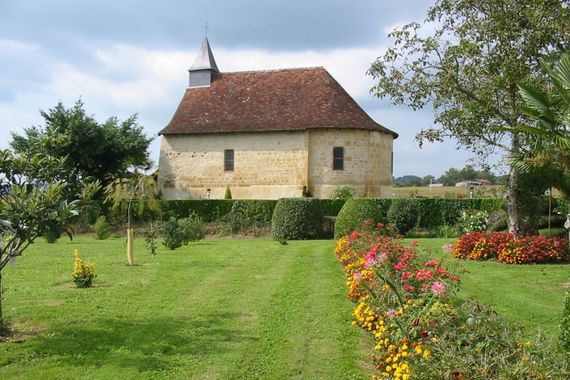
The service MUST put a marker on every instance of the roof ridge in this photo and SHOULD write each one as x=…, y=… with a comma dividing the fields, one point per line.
x=275, y=70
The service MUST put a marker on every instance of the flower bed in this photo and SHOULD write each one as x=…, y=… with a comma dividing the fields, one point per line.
x=503, y=247
x=406, y=302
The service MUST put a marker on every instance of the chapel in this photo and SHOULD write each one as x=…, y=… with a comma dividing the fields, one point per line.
x=270, y=134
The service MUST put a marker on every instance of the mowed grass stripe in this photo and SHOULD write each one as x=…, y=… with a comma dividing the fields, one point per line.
x=227, y=309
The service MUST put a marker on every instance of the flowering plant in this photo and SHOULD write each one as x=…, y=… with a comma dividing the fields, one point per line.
x=83, y=273
x=503, y=247
x=399, y=297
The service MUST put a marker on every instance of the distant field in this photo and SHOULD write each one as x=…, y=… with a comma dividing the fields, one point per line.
x=490, y=191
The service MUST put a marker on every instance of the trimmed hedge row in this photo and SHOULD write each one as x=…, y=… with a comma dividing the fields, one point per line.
x=211, y=210
x=431, y=212
x=297, y=219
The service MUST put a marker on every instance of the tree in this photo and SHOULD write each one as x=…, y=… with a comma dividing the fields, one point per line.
x=99, y=151
x=468, y=70
x=550, y=134
x=34, y=199
x=137, y=191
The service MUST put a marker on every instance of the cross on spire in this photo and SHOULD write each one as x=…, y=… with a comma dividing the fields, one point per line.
x=206, y=28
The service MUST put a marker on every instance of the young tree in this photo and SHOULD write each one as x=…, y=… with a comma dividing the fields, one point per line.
x=138, y=191
x=34, y=199
x=100, y=151
x=467, y=69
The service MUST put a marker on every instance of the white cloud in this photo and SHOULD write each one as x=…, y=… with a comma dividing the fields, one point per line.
x=122, y=80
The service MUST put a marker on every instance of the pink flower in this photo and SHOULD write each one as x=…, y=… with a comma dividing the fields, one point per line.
x=391, y=313
x=448, y=247
x=408, y=288
x=406, y=275
x=438, y=288
x=431, y=263
x=424, y=274
x=354, y=235
x=400, y=265
x=357, y=275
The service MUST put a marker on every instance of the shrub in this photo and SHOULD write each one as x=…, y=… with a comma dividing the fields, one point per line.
x=150, y=231
x=343, y=192
x=473, y=221
x=173, y=234
x=355, y=211
x=228, y=193
x=83, y=273
x=52, y=235
x=192, y=228
x=564, y=337
x=297, y=219
x=404, y=214
x=178, y=232
x=101, y=228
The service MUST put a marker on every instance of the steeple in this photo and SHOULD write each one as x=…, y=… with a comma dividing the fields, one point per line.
x=204, y=66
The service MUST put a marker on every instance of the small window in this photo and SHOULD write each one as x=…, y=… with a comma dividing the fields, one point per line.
x=338, y=158
x=229, y=160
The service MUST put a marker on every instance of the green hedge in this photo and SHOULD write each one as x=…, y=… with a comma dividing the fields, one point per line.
x=331, y=207
x=247, y=213
x=356, y=210
x=432, y=212
x=297, y=219
x=209, y=210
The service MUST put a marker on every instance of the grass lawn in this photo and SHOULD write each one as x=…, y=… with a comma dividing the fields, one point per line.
x=530, y=295
x=211, y=310
x=221, y=309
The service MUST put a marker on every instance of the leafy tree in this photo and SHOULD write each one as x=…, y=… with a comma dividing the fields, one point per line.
x=34, y=200
x=100, y=151
x=467, y=69
x=427, y=180
x=137, y=191
x=550, y=148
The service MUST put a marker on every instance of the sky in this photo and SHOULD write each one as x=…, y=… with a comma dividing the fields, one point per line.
x=131, y=57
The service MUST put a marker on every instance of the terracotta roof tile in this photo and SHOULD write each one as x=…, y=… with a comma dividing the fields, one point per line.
x=263, y=101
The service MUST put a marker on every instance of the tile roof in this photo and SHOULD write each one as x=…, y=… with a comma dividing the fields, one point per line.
x=264, y=101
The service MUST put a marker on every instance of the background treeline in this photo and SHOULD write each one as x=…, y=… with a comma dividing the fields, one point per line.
x=451, y=177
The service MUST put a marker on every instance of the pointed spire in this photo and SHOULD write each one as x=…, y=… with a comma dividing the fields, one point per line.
x=205, y=59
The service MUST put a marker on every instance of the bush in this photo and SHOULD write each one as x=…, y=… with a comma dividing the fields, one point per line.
x=178, y=232
x=404, y=214
x=355, y=211
x=150, y=231
x=83, y=273
x=564, y=337
x=173, y=234
x=473, y=221
x=51, y=235
x=228, y=194
x=343, y=192
x=192, y=229
x=101, y=228
x=297, y=219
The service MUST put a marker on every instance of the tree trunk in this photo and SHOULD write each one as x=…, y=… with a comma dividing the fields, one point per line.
x=513, y=204
x=1, y=295
x=130, y=246
x=513, y=219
